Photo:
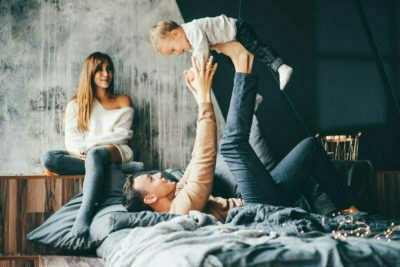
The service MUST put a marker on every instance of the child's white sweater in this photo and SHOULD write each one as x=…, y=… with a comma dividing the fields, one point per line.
x=201, y=33
x=106, y=127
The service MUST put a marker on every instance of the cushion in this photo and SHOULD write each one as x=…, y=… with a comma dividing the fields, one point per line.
x=122, y=220
x=56, y=230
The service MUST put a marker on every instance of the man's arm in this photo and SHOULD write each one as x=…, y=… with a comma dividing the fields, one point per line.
x=194, y=189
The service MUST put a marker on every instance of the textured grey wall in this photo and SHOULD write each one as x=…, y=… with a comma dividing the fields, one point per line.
x=43, y=46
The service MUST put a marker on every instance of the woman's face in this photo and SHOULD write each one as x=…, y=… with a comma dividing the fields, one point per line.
x=103, y=76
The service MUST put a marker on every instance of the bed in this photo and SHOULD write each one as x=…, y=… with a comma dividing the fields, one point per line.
x=254, y=235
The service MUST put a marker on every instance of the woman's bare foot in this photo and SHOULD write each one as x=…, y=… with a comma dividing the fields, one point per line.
x=350, y=210
x=242, y=59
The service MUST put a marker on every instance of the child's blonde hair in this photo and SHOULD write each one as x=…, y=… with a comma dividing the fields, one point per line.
x=161, y=31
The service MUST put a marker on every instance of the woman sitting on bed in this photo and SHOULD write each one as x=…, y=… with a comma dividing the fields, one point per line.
x=97, y=127
x=281, y=187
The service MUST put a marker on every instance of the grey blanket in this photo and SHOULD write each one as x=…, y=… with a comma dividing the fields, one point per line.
x=261, y=235
x=184, y=241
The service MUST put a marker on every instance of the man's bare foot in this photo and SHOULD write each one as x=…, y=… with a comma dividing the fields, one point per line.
x=241, y=58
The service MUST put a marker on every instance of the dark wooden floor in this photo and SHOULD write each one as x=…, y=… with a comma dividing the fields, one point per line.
x=50, y=261
x=72, y=261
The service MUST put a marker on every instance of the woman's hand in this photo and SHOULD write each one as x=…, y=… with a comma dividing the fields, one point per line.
x=201, y=85
x=81, y=155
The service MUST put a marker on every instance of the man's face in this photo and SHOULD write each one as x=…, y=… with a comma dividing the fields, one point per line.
x=154, y=184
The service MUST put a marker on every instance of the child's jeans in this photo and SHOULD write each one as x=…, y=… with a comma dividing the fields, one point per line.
x=249, y=39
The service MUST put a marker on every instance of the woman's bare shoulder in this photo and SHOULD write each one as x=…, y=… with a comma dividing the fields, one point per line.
x=123, y=101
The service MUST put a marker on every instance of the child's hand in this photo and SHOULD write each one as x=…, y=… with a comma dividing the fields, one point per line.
x=189, y=75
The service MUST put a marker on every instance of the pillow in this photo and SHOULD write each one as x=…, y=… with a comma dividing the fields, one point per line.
x=56, y=230
x=121, y=220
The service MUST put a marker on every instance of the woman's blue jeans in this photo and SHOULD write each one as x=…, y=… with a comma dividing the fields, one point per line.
x=98, y=159
x=284, y=184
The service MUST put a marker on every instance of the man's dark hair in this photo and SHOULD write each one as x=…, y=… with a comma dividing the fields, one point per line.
x=132, y=199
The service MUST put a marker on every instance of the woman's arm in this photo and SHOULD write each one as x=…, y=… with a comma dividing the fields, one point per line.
x=73, y=138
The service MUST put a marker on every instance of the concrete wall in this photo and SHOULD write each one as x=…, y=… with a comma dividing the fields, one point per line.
x=43, y=46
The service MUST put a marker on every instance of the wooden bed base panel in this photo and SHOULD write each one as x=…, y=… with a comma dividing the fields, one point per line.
x=21, y=261
x=25, y=203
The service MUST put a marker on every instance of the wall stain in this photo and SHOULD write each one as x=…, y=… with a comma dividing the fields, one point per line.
x=52, y=99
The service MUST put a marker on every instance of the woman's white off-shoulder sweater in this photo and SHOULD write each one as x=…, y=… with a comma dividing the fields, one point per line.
x=106, y=127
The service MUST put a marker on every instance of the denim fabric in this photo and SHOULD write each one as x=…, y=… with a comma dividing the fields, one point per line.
x=60, y=162
x=261, y=147
x=308, y=158
x=98, y=160
x=248, y=38
x=254, y=181
x=286, y=181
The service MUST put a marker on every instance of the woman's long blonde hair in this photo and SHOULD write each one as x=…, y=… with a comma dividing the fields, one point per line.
x=85, y=93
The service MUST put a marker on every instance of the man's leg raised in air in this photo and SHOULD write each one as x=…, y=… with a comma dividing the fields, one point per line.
x=254, y=181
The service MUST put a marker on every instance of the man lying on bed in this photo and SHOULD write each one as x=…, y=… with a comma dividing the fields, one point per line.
x=281, y=187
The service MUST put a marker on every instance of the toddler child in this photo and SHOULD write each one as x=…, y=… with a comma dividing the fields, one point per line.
x=170, y=38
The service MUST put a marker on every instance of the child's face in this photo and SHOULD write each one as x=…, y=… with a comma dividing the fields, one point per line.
x=175, y=44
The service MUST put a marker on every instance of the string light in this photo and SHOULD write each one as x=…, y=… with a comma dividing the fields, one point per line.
x=362, y=229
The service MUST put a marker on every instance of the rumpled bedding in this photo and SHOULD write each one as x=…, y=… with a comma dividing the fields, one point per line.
x=260, y=235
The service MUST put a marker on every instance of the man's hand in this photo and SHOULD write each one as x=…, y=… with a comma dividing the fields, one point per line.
x=201, y=85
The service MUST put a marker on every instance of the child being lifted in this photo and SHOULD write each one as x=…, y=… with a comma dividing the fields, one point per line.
x=170, y=38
